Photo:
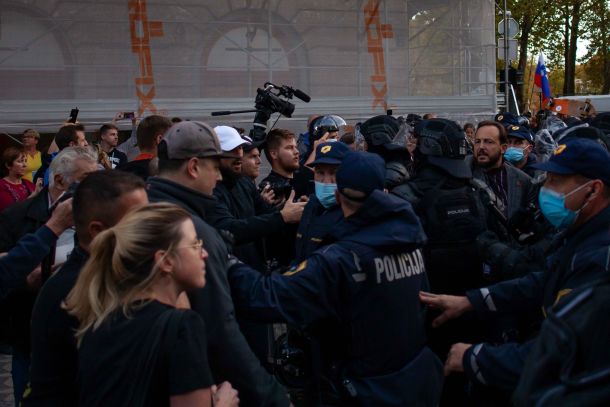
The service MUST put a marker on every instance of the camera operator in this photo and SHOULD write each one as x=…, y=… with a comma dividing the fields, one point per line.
x=281, y=152
x=576, y=200
x=366, y=285
x=241, y=210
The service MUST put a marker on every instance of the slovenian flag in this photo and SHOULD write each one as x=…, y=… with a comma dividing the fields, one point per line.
x=541, y=79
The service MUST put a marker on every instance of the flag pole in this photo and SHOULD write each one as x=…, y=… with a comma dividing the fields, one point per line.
x=533, y=71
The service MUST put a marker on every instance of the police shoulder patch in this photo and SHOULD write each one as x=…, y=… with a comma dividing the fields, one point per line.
x=562, y=293
x=559, y=149
x=296, y=269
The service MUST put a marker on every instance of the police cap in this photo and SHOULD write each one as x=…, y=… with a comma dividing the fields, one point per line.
x=521, y=132
x=361, y=172
x=579, y=156
x=330, y=152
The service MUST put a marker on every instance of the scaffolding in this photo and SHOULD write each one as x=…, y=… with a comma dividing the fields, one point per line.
x=187, y=58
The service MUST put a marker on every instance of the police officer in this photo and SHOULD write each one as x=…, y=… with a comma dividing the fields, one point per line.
x=520, y=149
x=451, y=212
x=453, y=215
x=366, y=283
x=322, y=212
x=379, y=133
x=575, y=199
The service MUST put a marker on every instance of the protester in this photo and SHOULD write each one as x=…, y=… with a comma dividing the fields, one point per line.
x=149, y=134
x=13, y=185
x=69, y=135
x=109, y=139
x=189, y=168
x=69, y=166
x=510, y=185
x=16, y=266
x=30, y=139
x=125, y=301
x=100, y=201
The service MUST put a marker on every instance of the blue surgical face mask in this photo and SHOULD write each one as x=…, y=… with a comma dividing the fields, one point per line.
x=552, y=205
x=326, y=194
x=514, y=154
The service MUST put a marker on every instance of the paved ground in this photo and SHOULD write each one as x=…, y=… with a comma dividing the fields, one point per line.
x=6, y=384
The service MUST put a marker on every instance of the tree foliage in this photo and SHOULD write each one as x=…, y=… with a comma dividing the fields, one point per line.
x=557, y=28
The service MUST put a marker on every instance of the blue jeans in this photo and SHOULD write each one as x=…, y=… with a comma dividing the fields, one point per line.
x=21, y=374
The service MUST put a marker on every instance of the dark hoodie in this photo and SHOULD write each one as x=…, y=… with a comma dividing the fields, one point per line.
x=367, y=283
x=229, y=355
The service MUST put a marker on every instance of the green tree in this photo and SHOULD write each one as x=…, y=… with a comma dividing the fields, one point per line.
x=597, y=32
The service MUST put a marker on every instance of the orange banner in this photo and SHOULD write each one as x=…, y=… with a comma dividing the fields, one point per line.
x=141, y=31
x=375, y=33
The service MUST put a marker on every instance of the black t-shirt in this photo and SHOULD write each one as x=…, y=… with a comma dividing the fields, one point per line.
x=141, y=168
x=116, y=158
x=54, y=357
x=108, y=359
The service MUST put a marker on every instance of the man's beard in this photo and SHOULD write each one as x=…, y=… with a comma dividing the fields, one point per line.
x=493, y=161
x=229, y=175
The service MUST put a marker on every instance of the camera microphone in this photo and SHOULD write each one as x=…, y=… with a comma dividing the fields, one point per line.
x=302, y=95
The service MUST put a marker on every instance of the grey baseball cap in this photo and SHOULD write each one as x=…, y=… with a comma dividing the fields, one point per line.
x=189, y=139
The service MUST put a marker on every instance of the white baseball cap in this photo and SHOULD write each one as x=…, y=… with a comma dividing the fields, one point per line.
x=229, y=138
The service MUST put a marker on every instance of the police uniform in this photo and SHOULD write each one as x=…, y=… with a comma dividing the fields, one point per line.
x=319, y=218
x=580, y=256
x=367, y=283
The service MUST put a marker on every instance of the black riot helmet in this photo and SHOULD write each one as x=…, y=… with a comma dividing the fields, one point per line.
x=443, y=143
x=325, y=124
x=380, y=133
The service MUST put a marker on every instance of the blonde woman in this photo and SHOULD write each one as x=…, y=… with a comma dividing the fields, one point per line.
x=33, y=158
x=135, y=347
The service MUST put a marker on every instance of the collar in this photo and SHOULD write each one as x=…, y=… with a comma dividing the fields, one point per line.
x=144, y=156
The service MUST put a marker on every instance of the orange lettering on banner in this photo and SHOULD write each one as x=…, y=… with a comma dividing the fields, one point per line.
x=141, y=31
x=375, y=33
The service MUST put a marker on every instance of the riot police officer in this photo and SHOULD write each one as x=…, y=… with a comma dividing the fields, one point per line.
x=366, y=283
x=576, y=200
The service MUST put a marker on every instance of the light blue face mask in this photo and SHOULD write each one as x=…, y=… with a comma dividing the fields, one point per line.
x=552, y=205
x=326, y=194
x=514, y=154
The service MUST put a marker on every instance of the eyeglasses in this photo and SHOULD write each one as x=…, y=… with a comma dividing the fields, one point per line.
x=198, y=245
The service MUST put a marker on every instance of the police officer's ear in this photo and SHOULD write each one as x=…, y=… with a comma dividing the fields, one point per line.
x=596, y=188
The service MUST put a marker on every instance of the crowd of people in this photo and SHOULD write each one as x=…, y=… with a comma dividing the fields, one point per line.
x=401, y=261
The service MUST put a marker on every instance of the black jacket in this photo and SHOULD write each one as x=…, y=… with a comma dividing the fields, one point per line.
x=16, y=221
x=367, y=285
x=54, y=362
x=280, y=247
x=241, y=210
x=579, y=258
x=230, y=356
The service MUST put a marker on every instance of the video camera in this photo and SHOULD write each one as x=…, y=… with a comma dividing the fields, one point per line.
x=268, y=101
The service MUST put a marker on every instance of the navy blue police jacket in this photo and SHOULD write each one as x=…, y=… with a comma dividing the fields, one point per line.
x=366, y=282
x=578, y=258
x=315, y=227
